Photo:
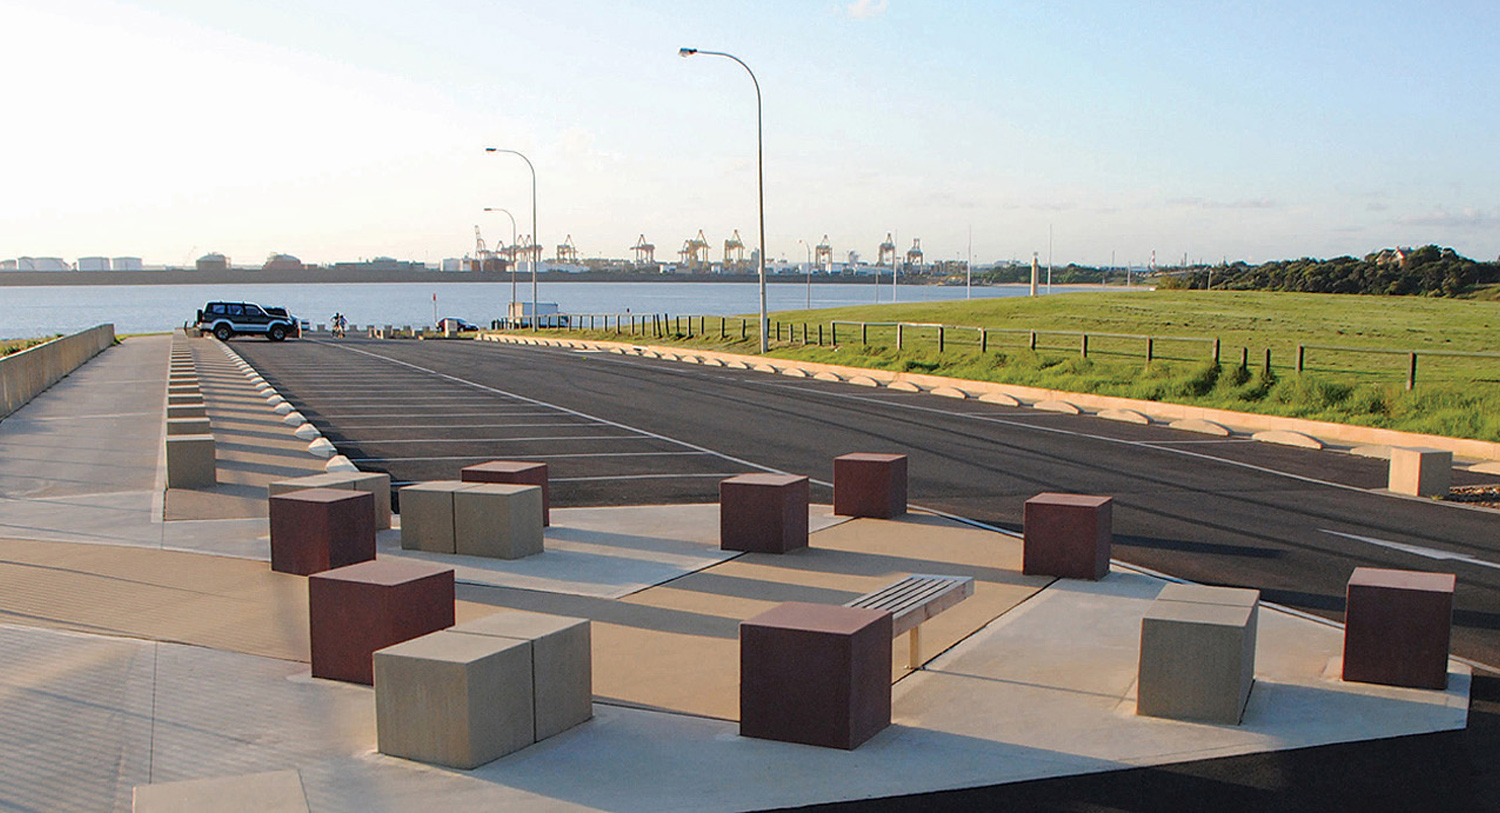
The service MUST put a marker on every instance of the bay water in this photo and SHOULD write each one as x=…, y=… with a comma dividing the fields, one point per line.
x=34, y=311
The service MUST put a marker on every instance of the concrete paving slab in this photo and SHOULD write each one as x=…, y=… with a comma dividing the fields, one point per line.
x=603, y=552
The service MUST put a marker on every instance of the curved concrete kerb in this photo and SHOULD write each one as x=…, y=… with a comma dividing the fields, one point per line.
x=1287, y=437
x=794, y=372
x=307, y=432
x=275, y=399
x=1053, y=405
x=339, y=463
x=903, y=386
x=284, y=408
x=293, y=419
x=322, y=447
x=863, y=381
x=950, y=392
x=999, y=398
x=1200, y=426
x=1124, y=416
x=827, y=376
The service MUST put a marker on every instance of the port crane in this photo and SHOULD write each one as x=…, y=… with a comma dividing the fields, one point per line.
x=823, y=255
x=645, y=253
x=567, y=252
x=887, y=254
x=694, y=250
x=914, y=254
x=734, y=252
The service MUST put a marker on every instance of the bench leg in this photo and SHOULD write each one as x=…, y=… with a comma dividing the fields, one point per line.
x=914, y=648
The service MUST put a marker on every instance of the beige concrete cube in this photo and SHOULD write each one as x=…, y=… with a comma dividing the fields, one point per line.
x=561, y=664
x=187, y=426
x=185, y=400
x=376, y=483
x=1421, y=472
x=183, y=389
x=191, y=462
x=497, y=520
x=271, y=792
x=454, y=700
x=198, y=410
x=427, y=515
x=1197, y=661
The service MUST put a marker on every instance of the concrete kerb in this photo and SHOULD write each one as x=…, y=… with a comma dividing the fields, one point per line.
x=1201, y=419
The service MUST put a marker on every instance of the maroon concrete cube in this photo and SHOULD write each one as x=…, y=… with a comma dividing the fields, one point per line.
x=513, y=472
x=763, y=513
x=320, y=528
x=817, y=674
x=353, y=611
x=869, y=485
x=1067, y=535
x=1396, y=627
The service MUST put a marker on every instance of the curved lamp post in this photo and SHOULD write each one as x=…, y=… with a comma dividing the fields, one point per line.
x=765, y=325
x=512, y=217
x=534, y=239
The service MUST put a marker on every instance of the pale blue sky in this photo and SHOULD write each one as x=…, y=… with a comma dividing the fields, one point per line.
x=334, y=129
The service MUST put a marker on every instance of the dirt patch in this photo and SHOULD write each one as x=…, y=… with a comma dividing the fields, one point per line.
x=1487, y=496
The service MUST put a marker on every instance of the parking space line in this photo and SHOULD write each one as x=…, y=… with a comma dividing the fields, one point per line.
x=721, y=475
x=529, y=456
x=376, y=442
x=476, y=425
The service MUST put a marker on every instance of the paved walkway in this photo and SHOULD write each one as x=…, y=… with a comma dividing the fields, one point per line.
x=142, y=650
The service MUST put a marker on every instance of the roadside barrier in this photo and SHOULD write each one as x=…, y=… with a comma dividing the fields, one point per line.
x=26, y=374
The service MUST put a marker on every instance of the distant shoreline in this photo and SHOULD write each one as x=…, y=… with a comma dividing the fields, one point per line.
x=332, y=277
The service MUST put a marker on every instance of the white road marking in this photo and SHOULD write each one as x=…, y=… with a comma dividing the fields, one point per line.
x=382, y=442
x=530, y=456
x=1416, y=550
x=720, y=475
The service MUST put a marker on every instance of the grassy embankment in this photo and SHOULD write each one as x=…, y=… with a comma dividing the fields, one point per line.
x=8, y=346
x=1459, y=397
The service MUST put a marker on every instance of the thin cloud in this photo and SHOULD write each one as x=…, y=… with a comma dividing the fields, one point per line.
x=1244, y=203
x=865, y=9
x=1442, y=219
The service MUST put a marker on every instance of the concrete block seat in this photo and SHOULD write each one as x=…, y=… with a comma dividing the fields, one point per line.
x=453, y=699
x=477, y=519
x=198, y=410
x=869, y=485
x=763, y=513
x=355, y=610
x=188, y=426
x=1420, y=472
x=1197, y=659
x=318, y=529
x=1397, y=625
x=1067, y=535
x=561, y=664
x=378, y=484
x=191, y=462
x=816, y=674
x=513, y=472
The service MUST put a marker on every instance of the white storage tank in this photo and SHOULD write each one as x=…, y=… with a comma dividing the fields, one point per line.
x=126, y=264
x=93, y=263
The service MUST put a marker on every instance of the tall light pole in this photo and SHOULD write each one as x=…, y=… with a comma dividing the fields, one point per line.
x=535, y=240
x=760, y=171
x=809, y=272
x=511, y=313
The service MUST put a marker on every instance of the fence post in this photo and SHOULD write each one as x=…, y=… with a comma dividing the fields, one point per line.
x=1411, y=370
x=1083, y=345
x=1244, y=358
x=898, y=335
x=820, y=334
x=984, y=340
x=743, y=334
x=940, y=338
x=1150, y=350
x=1033, y=340
x=1216, y=351
x=722, y=320
x=1301, y=356
x=1268, y=362
x=864, y=333
x=833, y=327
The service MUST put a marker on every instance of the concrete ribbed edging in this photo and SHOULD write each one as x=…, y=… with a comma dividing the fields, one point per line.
x=25, y=375
x=1249, y=423
x=318, y=446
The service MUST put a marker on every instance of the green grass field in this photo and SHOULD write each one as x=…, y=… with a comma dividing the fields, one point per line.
x=8, y=346
x=1453, y=396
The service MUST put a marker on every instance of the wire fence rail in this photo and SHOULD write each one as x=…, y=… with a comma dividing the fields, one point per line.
x=905, y=336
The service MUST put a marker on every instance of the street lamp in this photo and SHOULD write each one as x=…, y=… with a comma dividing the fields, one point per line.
x=760, y=169
x=512, y=217
x=535, y=241
x=809, y=272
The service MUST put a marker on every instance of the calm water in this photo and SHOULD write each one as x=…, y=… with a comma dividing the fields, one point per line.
x=28, y=312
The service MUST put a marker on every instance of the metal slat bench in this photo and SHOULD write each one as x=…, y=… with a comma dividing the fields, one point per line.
x=914, y=599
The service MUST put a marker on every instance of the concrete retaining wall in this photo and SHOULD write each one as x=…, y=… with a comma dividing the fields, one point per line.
x=26, y=374
x=1244, y=422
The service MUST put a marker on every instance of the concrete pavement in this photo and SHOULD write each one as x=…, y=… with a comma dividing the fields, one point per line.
x=142, y=649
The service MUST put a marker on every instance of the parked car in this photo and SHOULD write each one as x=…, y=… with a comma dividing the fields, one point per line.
x=226, y=319
x=459, y=325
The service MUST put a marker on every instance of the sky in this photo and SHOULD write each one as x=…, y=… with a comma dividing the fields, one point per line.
x=1088, y=132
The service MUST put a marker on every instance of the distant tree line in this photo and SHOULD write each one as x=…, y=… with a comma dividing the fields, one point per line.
x=1425, y=271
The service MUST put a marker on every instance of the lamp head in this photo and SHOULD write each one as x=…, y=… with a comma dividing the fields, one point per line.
x=489, y=149
x=686, y=52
